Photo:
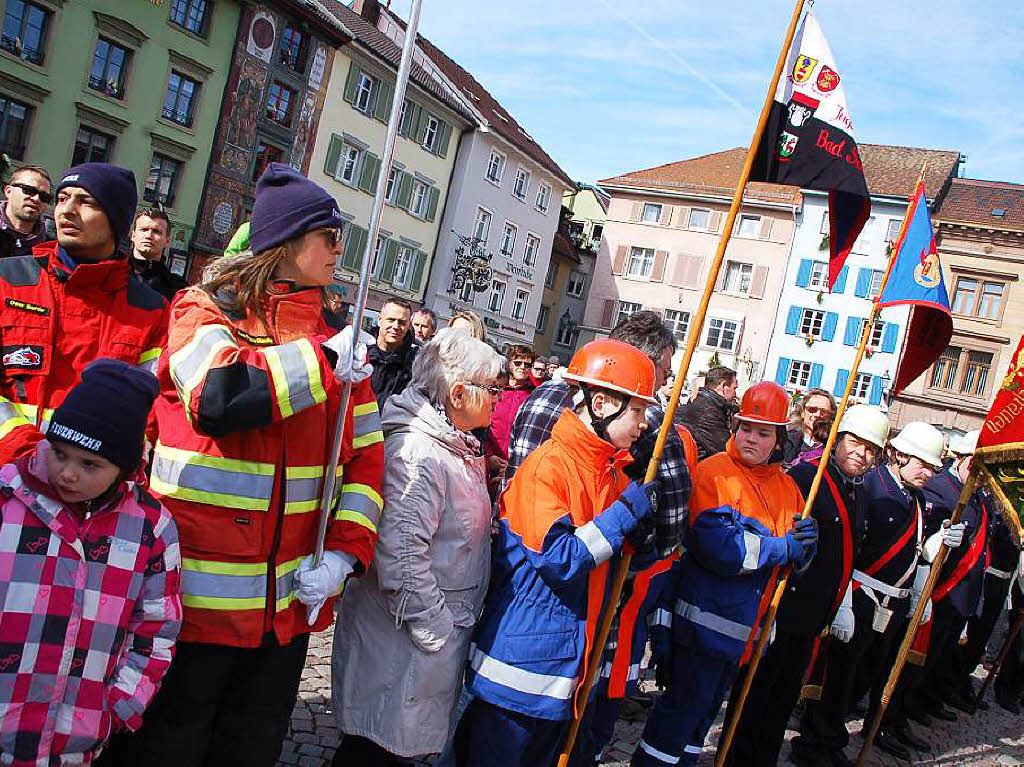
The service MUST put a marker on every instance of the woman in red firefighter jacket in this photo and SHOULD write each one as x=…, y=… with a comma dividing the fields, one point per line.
x=70, y=302
x=249, y=398
x=740, y=530
x=815, y=596
x=568, y=510
x=887, y=578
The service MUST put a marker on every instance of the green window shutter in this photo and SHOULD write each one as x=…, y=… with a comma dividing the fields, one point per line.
x=333, y=155
x=421, y=126
x=387, y=269
x=433, y=194
x=385, y=93
x=368, y=172
x=404, y=190
x=446, y=136
x=354, y=245
x=419, y=261
x=351, y=82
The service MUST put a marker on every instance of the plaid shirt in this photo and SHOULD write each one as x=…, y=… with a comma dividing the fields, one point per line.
x=89, y=612
x=533, y=425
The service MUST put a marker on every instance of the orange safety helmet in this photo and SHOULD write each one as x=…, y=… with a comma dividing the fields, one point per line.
x=615, y=366
x=765, y=402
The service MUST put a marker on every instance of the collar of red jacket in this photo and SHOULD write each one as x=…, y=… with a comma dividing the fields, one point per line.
x=758, y=472
x=588, y=448
x=109, y=275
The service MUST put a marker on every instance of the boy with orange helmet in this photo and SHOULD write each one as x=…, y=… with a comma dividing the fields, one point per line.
x=741, y=531
x=567, y=512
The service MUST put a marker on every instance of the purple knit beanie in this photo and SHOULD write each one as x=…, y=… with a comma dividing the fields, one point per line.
x=287, y=206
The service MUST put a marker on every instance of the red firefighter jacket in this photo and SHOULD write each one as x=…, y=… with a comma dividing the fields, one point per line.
x=246, y=421
x=53, y=322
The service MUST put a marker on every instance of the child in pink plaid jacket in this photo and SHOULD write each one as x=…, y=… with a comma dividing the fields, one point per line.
x=90, y=574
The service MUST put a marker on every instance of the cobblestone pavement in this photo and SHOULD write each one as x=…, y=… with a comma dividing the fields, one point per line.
x=987, y=739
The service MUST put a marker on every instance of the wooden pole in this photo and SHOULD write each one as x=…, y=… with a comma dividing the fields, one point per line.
x=748, y=680
x=696, y=327
x=915, y=621
x=1014, y=630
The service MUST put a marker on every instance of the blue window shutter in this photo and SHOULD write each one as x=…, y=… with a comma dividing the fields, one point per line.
x=828, y=331
x=841, y=378
x=793, y=320
x=876, y=390
x=889, y=337
x=852, y=329
x=816, y=370
x=840, y=286
x=782, y=373
x=863, y=283
x=803, y=274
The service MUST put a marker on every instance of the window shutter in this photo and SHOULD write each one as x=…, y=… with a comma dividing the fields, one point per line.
x=720, y=281
x=351, y=82
x=793, y=320
x=620, y=259
x=875, y=397
x=608, y=313
x=658, y=270
x=766, y=228
x=409, y=119
x=842, y=377
x=387, y=269
x=444, y=140
x=782, y=372
x=637, y=210
x=889, y=337
x=382, y=107
x=816, y=370
x=828, y=330
x=851, y=336
x=693, y=270
x=803, y=273
x=419, y=261
x=666, y=215
x=840, y=286
x=682, y=216
x=433, y=195
x=758, y=282
x=421, y=126
x=368, y=172
x=404, y=190
x=863, y=283
x=715, y=222
x=354, y=246
x=333, y=155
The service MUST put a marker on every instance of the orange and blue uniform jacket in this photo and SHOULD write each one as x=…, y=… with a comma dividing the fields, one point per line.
x=739, y=516
x=246, y=421
x=560, y=524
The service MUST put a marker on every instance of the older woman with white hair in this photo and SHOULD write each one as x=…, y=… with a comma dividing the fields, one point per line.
x=398, y=662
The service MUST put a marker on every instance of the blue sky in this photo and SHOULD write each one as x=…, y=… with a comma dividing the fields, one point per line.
x=608, y=86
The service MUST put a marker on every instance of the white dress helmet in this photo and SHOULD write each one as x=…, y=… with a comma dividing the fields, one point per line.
x=964, y=444
x=921, y=440
x=867, y=422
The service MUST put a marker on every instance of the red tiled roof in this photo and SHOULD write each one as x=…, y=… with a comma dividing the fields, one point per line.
x=890, y=171
x=972, y=201
x=500, y=121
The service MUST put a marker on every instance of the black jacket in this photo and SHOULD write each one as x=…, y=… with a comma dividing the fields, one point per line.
x=707, y=417
x=793, y=446
x=13, y=242
x=392, y=371
x=157, y=276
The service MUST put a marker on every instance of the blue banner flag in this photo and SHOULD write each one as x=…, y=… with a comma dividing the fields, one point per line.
x=915, y=278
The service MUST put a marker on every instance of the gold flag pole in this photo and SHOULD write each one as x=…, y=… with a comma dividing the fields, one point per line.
x=726, y=741
x=696, y=326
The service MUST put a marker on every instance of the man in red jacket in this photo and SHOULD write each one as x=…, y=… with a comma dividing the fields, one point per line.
x=70, y=302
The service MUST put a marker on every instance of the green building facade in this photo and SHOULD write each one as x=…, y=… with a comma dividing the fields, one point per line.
x=138, y=83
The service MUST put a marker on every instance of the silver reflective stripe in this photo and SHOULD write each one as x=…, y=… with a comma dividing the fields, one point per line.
x=518, y=679
x=193, y=481
x=752, y=543
x=361, y=503
x=199, y=584
x=661, y=756
x=302, y=490
x=188, y=368
x=1003, y=575
x=716, y=623
x=660, y=617
x=595, y=542
x=692, y=749
x=300, y=388
x=367, y=423
x=873, y=583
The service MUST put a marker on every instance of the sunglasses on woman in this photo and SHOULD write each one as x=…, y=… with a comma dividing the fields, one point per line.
x=333, y=235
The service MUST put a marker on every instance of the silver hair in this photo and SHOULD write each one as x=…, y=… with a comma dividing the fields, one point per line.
x=452, y=356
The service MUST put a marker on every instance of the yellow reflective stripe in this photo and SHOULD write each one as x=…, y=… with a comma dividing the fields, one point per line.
x=302, y=488
x=213, y=480
x=216, y=461
x=304, y=472
x=215, y=585
x=301, y=507
x=13, y=418
x=344, y=515
x=190, y=364
x=364, y=409
x=296, y=373
x=224, y=603
x=361, y=489
x=368, y=439
x=223, y=568
x=149, y=355
x=316, y=384
x=280, y=382
x=285, y=581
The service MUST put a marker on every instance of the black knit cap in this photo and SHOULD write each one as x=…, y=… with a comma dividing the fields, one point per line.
x=106, y=412
x=114, y=189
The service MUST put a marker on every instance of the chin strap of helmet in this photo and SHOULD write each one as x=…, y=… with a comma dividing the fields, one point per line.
x=601, y=423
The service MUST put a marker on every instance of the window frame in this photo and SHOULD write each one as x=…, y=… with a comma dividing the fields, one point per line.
x=818, y=279
x=259, y=164
x=861, y=386
x=695, y=228
x=543, y=315
x=169, y=114
x=364, y=87
x=274, y=104
x=109, y=150
x=419, y=197
x=151, y=194
x=521, y=304
x=430, y=138
x=809, y=318
x=391, y=185
x=877, y=275
x=483, y=216
x=552, y=275
x=679, y=324
x=293, y=59
x=799, y=375
x=748, y=275
x=99, y=84
x=949, y=372
x=11, y=45
x=722, y=330
x=744, y=218
x=644, y=219
x=409, y=253
x=543, y=193
x=496, y=180
x=639, y=255
x=890, y=234
x=574, y=287
x=523, y=177
x=977, y=296
x=566, y=333
x=530, y=253
x=505, y=229
x=343, y=163
x=624, y=309
x=498, y=293
x=467, y=294
x=16, y=151
x=189, y=5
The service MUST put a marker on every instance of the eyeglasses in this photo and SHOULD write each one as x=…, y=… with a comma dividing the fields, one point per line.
x=31, y=191
x=333, y=235
x=494, y=391
x=816, y=410
x=519, y=363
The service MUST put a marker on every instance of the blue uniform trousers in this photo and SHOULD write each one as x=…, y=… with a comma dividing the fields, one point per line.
x=681, y=718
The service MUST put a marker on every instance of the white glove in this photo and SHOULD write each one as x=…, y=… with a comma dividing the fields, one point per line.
x=843, y=624
x=327, y=580
x=953, y=535
x=350, y=368
x=920, y=577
